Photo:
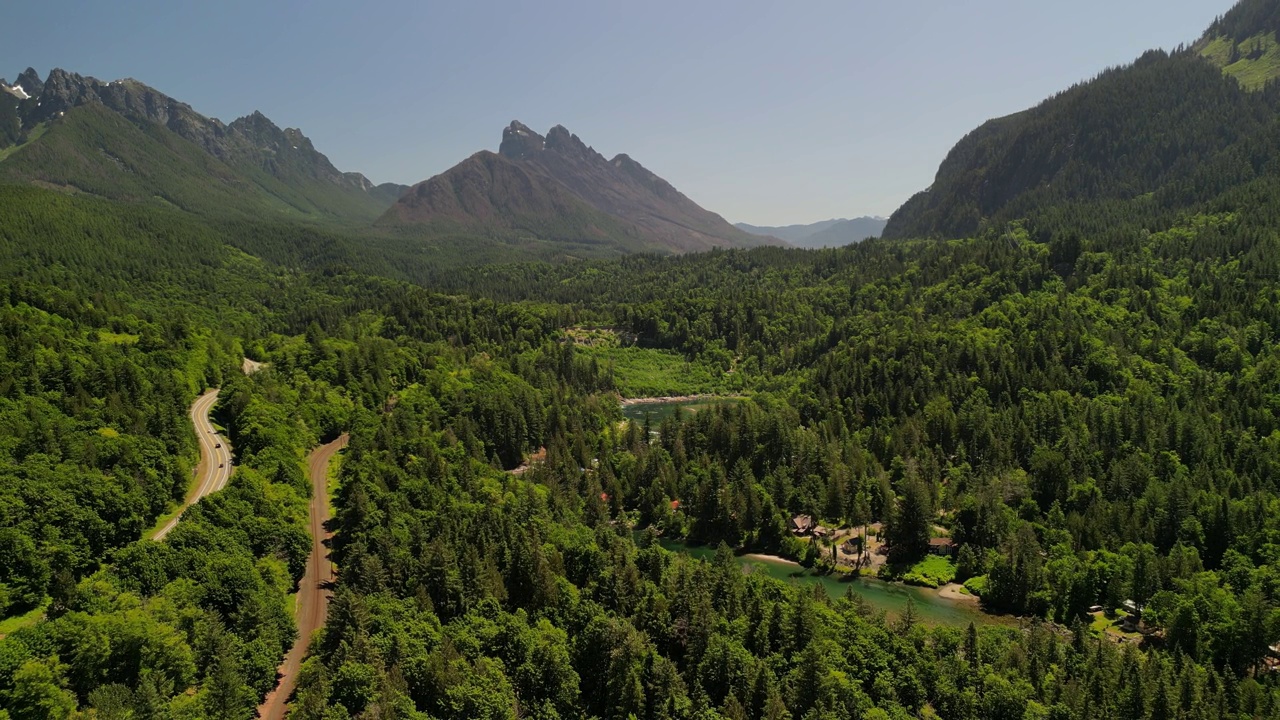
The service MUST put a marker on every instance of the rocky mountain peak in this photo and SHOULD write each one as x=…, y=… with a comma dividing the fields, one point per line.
x=257, y=126
x=298, y=140
x=518, y=141
x=30, y=82
x=554, y=184
x=62, y=91
x=561, y=140
x=262, y=133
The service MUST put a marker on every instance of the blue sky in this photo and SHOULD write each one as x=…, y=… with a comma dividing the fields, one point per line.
x=766, y=112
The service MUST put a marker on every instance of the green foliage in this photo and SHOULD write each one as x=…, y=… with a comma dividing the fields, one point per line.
x=1253, y=62
x=643, y=372
x=932, y=571
x=98, y=151
x=976, y=585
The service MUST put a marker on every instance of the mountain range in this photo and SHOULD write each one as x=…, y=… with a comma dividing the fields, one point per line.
x=125, y=141
x=1171, y=130
x=825, y=234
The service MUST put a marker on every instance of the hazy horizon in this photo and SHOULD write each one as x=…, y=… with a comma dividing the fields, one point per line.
x=768, y=115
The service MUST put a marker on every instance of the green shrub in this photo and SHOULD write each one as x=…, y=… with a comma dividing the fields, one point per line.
x=976, y=585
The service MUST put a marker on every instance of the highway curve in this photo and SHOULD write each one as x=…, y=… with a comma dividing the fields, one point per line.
x=215, y=459
x=313, y=589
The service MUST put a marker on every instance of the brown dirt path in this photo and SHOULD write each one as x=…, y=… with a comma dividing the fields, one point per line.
x=313, y=589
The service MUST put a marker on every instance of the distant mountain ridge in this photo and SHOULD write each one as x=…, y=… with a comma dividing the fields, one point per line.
x=1182, y=126
x=827, y=233
x=557, y=187
x=67, y=131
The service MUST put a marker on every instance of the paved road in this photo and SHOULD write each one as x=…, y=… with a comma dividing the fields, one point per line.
x=314, y=588
x=215, y=459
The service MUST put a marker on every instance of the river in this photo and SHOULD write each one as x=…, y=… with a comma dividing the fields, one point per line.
x=892, y=598
x=661, y=410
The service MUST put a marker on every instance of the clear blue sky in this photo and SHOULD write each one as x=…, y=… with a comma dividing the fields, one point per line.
x=766, y=112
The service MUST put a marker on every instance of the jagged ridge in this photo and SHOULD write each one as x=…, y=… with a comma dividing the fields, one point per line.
x=281, y=167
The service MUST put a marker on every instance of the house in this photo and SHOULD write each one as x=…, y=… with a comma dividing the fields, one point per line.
x=852, y=546
x=946, y=547
x=821, y=532
x=801, y=525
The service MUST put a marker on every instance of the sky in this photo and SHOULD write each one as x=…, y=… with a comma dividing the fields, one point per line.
x=766, y=112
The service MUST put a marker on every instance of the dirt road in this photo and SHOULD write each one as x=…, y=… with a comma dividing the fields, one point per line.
x=215, y=459
x=313, y=589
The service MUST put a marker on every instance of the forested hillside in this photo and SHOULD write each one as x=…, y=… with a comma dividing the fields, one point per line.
x=126, y=141
x=1184, y=125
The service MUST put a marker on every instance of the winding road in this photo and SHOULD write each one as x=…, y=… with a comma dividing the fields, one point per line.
x=215, y=459
x=313, y=589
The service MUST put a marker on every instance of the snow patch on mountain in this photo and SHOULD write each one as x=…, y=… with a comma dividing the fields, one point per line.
x=16, y=91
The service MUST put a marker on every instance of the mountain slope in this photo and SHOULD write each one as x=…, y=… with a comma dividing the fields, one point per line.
x=96, y=151
x=825, y=234
x=1244, y=43
x=491, y=195
x=1171, y=124
x=71, y=131
x=533, y=179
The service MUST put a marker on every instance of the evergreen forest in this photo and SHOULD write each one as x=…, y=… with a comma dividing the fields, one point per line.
x=1048, y=402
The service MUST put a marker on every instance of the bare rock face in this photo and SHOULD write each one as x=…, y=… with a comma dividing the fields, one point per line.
x=30, y=82
x=563, y=142
x=519, y=142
